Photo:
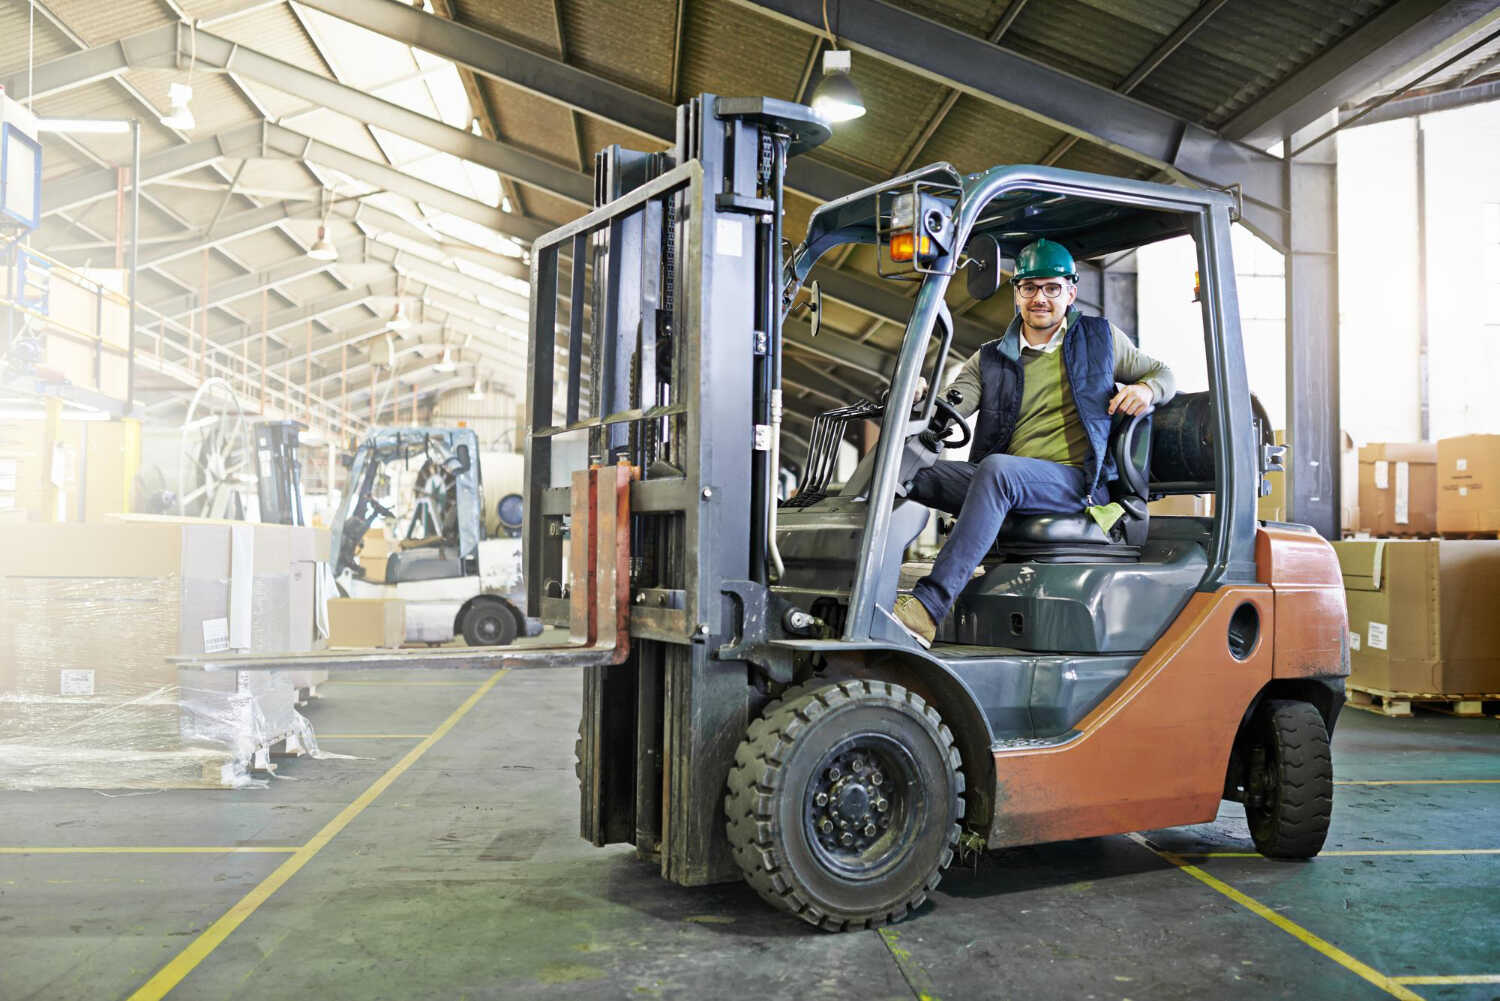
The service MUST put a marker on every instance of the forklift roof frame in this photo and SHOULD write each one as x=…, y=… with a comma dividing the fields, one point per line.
x=1136, y=213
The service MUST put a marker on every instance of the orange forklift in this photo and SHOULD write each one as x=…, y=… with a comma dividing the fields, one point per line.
x=767, y=718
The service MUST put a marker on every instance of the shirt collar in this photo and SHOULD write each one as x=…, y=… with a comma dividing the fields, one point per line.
x=1054, y=342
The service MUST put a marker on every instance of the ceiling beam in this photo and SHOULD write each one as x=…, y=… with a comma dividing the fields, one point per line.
x=316, y=309
x=82, y=187
x=555, y=80
x=881, y=301
x=228, y=230
x=1403, y=32
x=840, y=349
x=167, y=46
x=1043, y=93
x=293, y=269
x=1437, y=100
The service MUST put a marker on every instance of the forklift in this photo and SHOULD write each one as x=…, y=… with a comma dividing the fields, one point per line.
x=454, y=580
x=763, y=715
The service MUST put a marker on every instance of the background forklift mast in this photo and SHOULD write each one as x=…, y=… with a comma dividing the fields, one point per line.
x=761, y=656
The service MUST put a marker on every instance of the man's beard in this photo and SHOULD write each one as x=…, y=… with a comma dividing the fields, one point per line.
x=1040, y=322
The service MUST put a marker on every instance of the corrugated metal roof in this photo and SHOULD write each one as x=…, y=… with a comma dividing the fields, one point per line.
x=1243, y=50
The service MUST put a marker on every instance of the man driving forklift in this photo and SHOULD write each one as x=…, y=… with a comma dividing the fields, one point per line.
x=1045, y=392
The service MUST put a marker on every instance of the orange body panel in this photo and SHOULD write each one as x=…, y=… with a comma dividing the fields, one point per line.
x=1152, y=754
x=1312, y=618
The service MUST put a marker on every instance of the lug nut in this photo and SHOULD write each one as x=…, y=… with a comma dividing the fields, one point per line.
x=869, y=830
x=875, y=778
x=821, y=799
x=858, y=764
x=881, y=805
x=826, y=826
x=847, y=839
x=834, y=772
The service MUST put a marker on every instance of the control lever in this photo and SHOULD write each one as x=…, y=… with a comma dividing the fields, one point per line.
x=945, y=415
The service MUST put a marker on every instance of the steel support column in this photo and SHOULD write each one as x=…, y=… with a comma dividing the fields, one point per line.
x=1312, y=335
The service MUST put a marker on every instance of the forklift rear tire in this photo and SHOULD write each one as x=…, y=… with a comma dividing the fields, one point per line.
x=488, y=622
x=1289, y=787
x=844, y=803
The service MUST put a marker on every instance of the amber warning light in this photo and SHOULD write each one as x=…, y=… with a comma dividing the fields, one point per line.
x=903, y=246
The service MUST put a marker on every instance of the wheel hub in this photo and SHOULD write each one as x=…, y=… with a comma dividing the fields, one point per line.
x=851, y=803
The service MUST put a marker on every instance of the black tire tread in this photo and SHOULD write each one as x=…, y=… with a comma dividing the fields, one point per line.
x=756, y=777
x=1297, y=825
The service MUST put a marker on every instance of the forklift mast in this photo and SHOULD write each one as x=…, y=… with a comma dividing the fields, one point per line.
x=655, y=344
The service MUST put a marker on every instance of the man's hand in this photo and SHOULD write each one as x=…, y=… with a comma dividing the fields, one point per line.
x=921, y=389
x=1132, y=400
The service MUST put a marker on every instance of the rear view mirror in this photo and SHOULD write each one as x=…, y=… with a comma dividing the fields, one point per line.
x=815, y=309
x=985, y=266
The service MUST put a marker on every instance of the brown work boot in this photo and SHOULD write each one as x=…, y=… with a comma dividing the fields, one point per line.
x=915, y=619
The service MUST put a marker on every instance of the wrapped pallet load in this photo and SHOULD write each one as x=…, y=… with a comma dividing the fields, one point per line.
x=90, y=615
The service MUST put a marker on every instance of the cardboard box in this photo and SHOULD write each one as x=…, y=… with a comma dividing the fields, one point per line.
x=375, y=544
x=1469, y=483
x=1398, y=488
x=366, y=622
x=374, y=567
x=1421, y=615
x=1182, y=505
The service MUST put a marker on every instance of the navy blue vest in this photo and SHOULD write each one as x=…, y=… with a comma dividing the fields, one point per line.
x=1088, y=352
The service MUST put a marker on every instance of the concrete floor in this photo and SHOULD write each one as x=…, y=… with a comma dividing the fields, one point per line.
x=464, y=878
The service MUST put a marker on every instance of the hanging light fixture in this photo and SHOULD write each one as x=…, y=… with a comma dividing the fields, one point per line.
x=836, y=98
x=399, y=322
x=180, y=117
x=446, y=363
x=322, y=250
x=477, y=393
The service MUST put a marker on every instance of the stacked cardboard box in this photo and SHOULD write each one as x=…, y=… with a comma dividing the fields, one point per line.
x=366, y=622
x=90, y=614
x=1421, y=615
x=82, y=473
x=1469, y=484
x=374, y=550
x=1398, y=488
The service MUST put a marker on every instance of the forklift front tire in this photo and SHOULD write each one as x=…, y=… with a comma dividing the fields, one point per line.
x=844, y=803
x=1289, y=787
x=488, y=622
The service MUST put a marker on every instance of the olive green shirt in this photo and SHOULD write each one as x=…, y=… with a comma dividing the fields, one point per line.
x=1047, y=426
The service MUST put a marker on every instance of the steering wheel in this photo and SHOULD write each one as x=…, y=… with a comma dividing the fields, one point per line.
x=381, y=509
x=951, y=418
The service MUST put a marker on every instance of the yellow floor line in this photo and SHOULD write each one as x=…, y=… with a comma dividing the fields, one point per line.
x=440, y=684
x=1333, y=952
x=371, y=736
x=916, y=977
x=1415, y=782
x=145, y=850
x=1401, y=852
x=170, y=975
x=1476, y=978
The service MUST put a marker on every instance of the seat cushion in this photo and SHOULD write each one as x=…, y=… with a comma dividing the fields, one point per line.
x=1047, y=529
x=423, y=564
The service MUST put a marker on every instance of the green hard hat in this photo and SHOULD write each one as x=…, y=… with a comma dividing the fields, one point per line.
x=1045, y=259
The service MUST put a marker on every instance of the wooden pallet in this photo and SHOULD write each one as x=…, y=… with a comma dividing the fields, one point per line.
x=1400, y=704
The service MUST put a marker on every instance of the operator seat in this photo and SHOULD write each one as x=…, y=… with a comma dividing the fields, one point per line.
x=1077, y=538
x=427, y=563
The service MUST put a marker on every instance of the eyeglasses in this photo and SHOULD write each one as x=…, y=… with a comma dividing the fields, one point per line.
x=1028, y=290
